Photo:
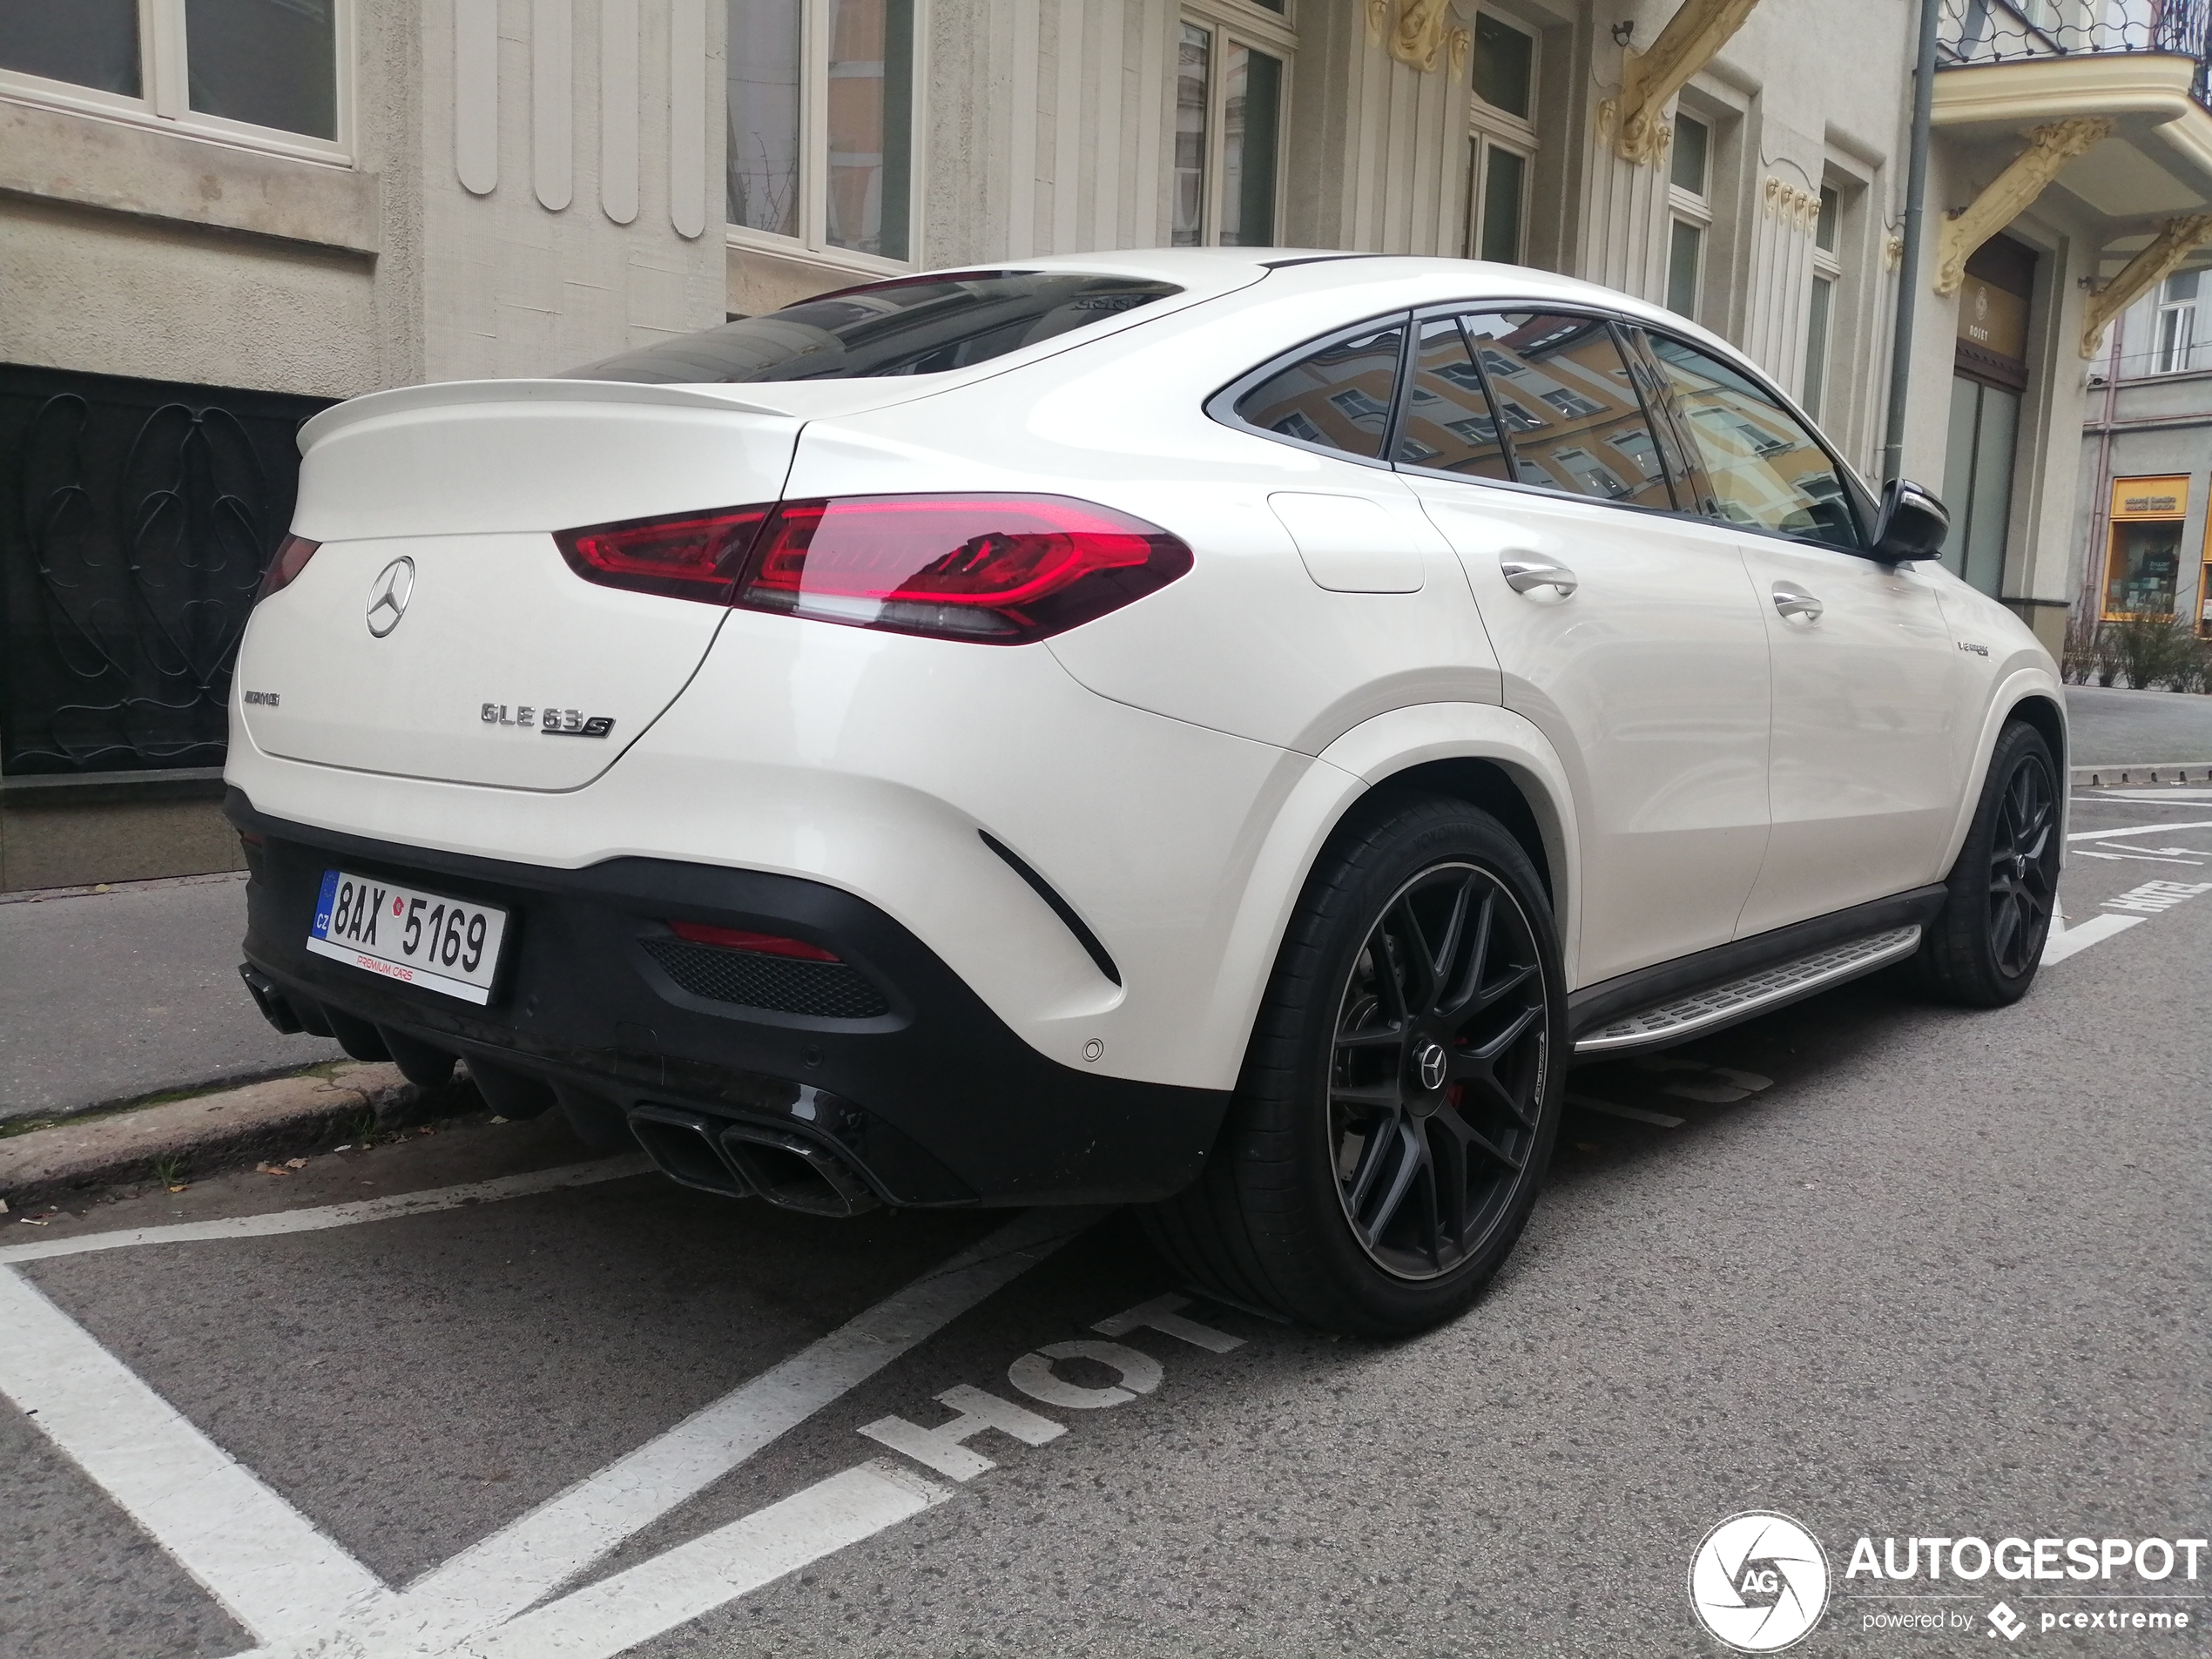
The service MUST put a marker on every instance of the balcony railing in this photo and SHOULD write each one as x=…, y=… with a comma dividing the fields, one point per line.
x=2010, y=31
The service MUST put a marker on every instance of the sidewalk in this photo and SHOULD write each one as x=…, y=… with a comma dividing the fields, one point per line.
x=112, y=996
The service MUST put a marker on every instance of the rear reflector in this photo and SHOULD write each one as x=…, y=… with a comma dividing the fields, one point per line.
x=996, y=568
x=292, y=556
x=762, y=944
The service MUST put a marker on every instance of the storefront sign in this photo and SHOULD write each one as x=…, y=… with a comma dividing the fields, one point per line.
x=2150, y=497
x=1991, y=319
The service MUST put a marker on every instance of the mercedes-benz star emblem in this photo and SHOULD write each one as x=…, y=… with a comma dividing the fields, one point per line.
x=1431, y=1059
x=388, y=595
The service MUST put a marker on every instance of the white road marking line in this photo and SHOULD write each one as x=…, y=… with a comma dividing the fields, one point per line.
x=271, y=1567
x=1586, y=1104
x=695, y=1578
x=494, y=1580
x=336, y=1214
x=2060, y=945
x=2135, y=829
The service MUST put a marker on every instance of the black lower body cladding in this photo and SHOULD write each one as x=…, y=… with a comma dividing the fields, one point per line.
x=928, y=1094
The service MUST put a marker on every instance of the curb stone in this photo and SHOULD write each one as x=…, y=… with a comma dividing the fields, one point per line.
x=210, y=1132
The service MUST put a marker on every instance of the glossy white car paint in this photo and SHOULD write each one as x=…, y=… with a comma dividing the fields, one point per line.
x=1171, y=768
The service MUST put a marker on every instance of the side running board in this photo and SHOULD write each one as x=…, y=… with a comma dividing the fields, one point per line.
x=1739, y=999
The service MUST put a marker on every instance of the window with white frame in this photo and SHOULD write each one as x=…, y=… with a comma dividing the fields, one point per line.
x=275, y=74
x=1689, y=168
x=1501, y=146
x=1827, y=272
x=1231, y=77
x=821, y=116
x=2176, y=335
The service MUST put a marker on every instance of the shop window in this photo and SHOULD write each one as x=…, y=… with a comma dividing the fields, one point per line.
x=1230, y=77
x=821, y=124
x=275, y=74
x=1502, y=145
x=2143, y=556
x=136, y=519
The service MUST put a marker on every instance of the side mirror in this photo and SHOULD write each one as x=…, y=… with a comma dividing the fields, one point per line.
x=1912, y=525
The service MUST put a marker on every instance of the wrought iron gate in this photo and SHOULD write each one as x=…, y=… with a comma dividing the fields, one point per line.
x=135, y=519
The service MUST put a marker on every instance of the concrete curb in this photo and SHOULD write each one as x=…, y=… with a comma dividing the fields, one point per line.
x=213, y=1131
x=2142, y=771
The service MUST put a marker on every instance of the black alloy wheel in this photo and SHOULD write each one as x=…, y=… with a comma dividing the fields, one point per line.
x=2023, y=866
x=1403, y=1086
x=1983, y=949
x=1442, y=1055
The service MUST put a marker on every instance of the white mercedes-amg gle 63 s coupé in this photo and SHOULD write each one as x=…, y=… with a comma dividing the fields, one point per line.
x=1217, y=729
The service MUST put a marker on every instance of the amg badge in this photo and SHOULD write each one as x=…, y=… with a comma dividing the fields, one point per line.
x=553, y=723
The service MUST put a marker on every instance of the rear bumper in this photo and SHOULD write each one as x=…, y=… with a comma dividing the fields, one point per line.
x=908, y=1075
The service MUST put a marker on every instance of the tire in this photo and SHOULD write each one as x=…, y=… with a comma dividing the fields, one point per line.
x=1982, y=949
x=1304, y=1207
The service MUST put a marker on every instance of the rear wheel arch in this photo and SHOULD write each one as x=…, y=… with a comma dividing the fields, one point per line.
x=1517, y=801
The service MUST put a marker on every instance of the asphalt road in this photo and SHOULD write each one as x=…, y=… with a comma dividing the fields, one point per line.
x=2112, y=726
x=1892, y=1270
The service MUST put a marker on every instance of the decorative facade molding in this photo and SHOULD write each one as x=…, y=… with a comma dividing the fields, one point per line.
x=2176, y=239
x=2009, y=194
x=1420, y=35
x=1893, y=250
x=1800, y=209
x=1650, y=78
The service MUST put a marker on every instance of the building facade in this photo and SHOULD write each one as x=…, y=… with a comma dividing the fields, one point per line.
x=218, y=215
x=2146, y=488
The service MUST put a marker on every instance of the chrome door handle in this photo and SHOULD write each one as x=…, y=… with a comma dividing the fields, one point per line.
x=1523, y=573
x=1796, y=601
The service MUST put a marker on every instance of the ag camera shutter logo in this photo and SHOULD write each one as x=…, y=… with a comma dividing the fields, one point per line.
x=1758, y=1581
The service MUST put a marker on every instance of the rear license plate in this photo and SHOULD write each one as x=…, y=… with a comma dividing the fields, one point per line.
x=446, y=945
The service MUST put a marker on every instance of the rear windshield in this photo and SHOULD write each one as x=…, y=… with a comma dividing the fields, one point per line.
x=908, y=325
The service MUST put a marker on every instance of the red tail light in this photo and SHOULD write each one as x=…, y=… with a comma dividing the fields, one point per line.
x=737, y=938
x=685, y=555
x=997, y=569
x=292, y=556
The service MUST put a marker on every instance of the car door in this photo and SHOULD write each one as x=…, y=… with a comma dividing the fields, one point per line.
x=1868, y=684
x=1629, y=633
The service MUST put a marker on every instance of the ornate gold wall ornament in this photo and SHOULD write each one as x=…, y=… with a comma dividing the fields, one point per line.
x=1378, y=21
x=1462, y=43
x=2009, y=194
x=1420, y=34
x=2176, y=239
x=1650, y=78
x=1893, y=252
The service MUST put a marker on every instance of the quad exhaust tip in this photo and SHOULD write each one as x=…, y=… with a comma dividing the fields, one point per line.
x=740, y=1161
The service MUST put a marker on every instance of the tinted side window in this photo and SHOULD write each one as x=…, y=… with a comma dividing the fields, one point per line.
x=1567, y=406
x=1760, y=466
x=1339, y=394
x=1448, y=425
